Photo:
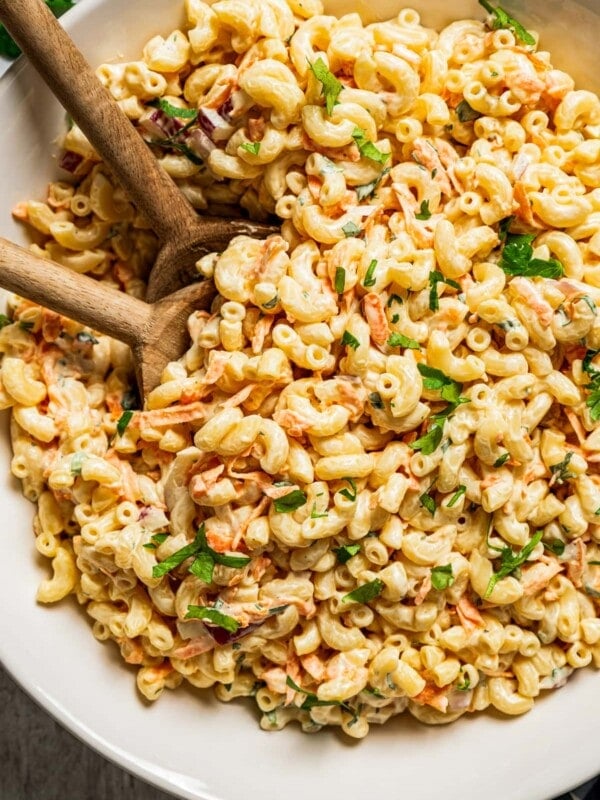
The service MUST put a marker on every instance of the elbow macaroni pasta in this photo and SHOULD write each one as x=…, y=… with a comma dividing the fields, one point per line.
x=389, y=441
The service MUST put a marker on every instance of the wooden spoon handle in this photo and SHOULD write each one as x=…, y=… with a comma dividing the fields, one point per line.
x=76, y=296
x=72, y=81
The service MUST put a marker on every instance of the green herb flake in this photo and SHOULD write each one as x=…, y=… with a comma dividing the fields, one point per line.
x=367, y=189
x=314, y=514
x=77, y=462
x=350, y=229
x=365, y=593
x=156, y=540
x=367, y=149
x=400, y=340
x=427, y=501
x=510, y=561
x=205, y=559
x=501, y=19
x=555, y=546
x=26, y=325
x=501, y=460
x=123, y=422
x=251, y=147
x=517, y=259
x=593, y=399
x=271, y=303
x=560, y=472
x=442, y=577
x=465, y=113
x=330, y=86
x=203, y=567
x=394, y=298
x=349, y=340
x=339, y=283
x=429, y=442
x=370, y=279
x=349, y=494
x=465, y=685
x=462, y=489
x=290, y=502
x=436, y=277
x=4, y=321
x=375, y=400
x=346, y=552
x=213, y=616
x=311, y=700
x=424, y=212
x=174, y=111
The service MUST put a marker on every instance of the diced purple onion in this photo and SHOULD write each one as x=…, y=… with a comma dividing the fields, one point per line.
x=221, y=636
x=70, y=161
x=214, y=125
x=199, y=143
x=236, y=105
x=159, y=125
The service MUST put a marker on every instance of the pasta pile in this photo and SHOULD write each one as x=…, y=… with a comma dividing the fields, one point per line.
x=371, y=483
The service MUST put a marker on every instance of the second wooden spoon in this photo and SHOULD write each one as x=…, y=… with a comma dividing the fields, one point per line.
x=184, y=235
x=156, y=332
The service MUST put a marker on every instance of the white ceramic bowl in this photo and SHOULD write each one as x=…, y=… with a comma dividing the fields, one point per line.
x=189, y=743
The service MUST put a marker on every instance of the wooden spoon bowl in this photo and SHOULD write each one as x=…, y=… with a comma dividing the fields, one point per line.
x=184, y=235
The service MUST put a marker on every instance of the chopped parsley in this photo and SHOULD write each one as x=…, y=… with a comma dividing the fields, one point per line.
x=314, y=514
x=349, y=340
x=124, y=421
x=442, y=577
x=365, y=593
x=367, y=189
x=351, y=229
x=4, y=321
x=339, y=283
x=593, y=399
x=560, y=472
x=436, y=277
x=174, y=111
x=330, y=86
x=251, y=147
x=77, y=462
x=271, y=303
x=375, y=400
x=436, y=380
x=501, y=460
x=424, y=212
x=311, y=700
x=26, y=325
x=465, y=112
x=517, y=258
x=156, y=540
x=204, y=556
x=462, y=489
x=349, y=494
x=510, y=561
x=367, y=149
x=394, y=298
x=429, y=442
x=465, y=685
x=400, y=340
x=290, y=502
x=503, y=20
x=427, y=501
x=346, y=552
x=213, y=616
x=370, y=279
x=555, y=546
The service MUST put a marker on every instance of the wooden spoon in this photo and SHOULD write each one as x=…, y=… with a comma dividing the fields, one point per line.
x=184, y=235
x=155, y=332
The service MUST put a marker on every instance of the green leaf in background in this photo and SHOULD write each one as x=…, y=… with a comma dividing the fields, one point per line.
x=9, y=49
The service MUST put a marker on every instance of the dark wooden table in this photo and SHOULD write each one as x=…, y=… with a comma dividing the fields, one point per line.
x=40, y=760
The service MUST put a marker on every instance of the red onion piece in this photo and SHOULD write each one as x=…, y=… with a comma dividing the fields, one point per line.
x=214, y=125
x=70, y=161
x=159, y=125
x=236, y=105
x=199, y=143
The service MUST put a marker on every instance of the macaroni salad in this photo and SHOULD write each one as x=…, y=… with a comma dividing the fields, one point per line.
x=371, y=483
